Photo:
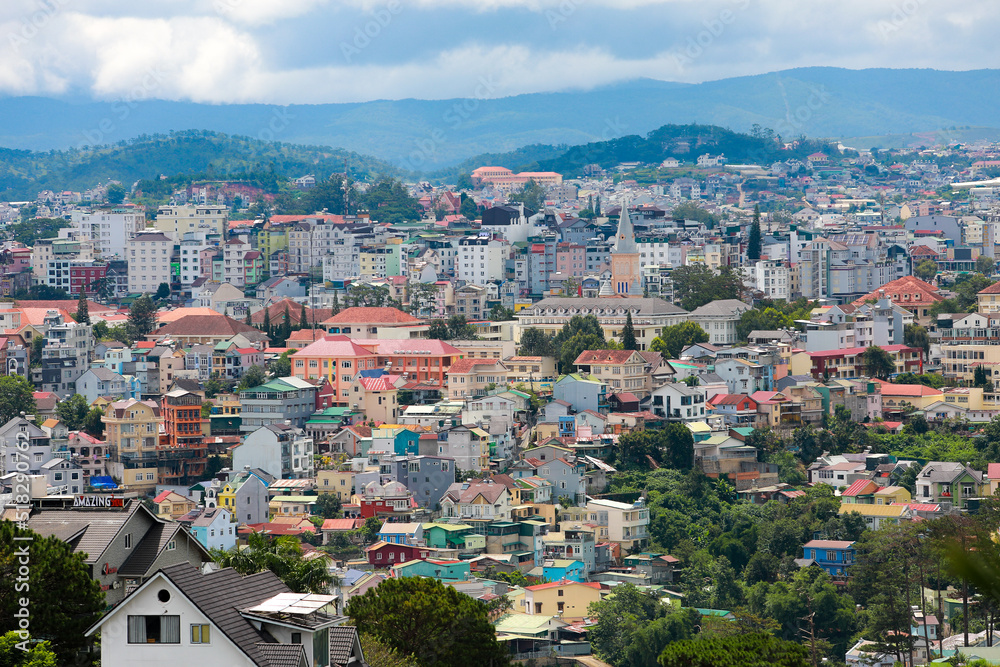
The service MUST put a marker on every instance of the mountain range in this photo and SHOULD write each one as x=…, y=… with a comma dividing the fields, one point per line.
x=864, y=106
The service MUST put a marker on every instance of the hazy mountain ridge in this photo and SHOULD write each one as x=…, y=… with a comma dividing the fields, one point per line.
x=428, y=135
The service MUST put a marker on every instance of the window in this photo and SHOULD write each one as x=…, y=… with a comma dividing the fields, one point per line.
x=154, y=629
x=296, y=637
x=128, y=541
x=200, y=634
x=171, y=545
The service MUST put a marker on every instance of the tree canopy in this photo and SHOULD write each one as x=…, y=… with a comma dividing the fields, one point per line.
x=16, y=396
x=673, y=339
x=697, y=284
x=436, y=624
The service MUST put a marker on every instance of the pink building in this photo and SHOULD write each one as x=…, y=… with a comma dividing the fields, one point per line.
x=571, y=260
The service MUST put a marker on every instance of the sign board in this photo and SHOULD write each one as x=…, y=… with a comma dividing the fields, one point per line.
x=98, y=501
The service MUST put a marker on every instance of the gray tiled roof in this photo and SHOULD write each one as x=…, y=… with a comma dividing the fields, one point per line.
x=149, y=547
x=284, y=655
x=342, y=639
x=98, y=528
x=221, y=595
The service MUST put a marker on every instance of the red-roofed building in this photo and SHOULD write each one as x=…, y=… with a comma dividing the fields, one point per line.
x=849, y=363
x=861, y=491
x=569, y=600
x=736, y=409
x=340, y=358
x=386, y=554
x=908, y=292
x=619, y=370
x=361, y=322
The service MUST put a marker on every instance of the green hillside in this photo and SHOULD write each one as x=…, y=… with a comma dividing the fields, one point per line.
x=207, y=154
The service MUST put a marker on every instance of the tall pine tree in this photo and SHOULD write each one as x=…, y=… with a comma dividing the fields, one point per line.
x=754, y=242
x=628, y=334
x=83, y=308
x=304, y=318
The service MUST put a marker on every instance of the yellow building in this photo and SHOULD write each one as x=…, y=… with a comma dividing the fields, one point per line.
x=877, y=515
x=970, y=398
x=619, y=370
x=898, y=396
x=132, y=430
x=177, y=221
x=888, y=495
x=272, y=238
x=568, y=600
x=336, y=482
x=172, y=505
x=291, y=506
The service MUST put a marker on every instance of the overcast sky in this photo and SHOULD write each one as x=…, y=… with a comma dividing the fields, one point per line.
x=313, y=51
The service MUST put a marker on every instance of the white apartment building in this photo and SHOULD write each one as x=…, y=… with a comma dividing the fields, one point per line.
x=149, y=262
x=312, y=239
x=234, y=253
x=772, y=278
x=192, y=267
x=109, y=230
x=480, y=260
x=176, y=221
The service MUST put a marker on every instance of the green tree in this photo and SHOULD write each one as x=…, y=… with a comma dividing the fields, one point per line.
x=751, y=650
x=82, y=314
x=115, y=193
x=369, y=531
x=72, y=412
x=915, y=335
x=761, y=319
x=16, y=396
x=64, y=599
x=253, y=377
x=628, y=334
x=536, y=343
x=29, y=231
x=17, y=650
x=141, y=318
x=878, y=363
x=162, y=292
x=985, y=265
x=571, y=349
x=281, y=555
x=468, y=207
x=619, y=617
x=206, y=409
x=380, y=654
x=499, y=313
x=673, y=339
x=93, y=424
x=327, y=505
x=460, y=329
x=650, y=640
x=753, y=238
x=532, y=195
x=214, y=386
x=672, y=446
x=282, y=366
x=697, y=284
x=926, y=270
x=435, y=623
x=421, y=298
x=389, y=201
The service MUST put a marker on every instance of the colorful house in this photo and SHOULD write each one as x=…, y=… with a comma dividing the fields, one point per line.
x=834, y=556
x=442, y=570
x=560, y=569
x=568, y=600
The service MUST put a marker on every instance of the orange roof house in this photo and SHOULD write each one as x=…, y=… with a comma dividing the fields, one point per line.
x=907, y=292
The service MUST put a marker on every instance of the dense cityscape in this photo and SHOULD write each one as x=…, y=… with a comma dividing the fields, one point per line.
x=747, y=407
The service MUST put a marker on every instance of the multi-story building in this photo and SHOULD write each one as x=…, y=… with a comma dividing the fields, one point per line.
x=771, y=277
x=65, y=354
x=52, y=260
x=620, y=370
x=182, y=420
x=109, y=230
x=242, y=266
x=620, y=522
x=277, y=401
x=649, y=315
x=279, y=449
x=472, y=378
x=22, y=441
x=132, y=431
x=849, y=363
x=470, y=302
x=339, y=358
x=149, y=258
x=480, y=260
x=719, y=320
x=176, y=221
x=192, y=249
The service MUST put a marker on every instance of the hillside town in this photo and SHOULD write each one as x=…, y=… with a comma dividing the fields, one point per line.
x=753, y=394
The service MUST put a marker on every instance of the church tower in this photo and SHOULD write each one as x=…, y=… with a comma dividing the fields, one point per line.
x=626, y=272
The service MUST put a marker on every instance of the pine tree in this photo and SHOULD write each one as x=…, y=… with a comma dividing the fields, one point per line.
x=597, y=207
x=335, y=306
x=83, y=309
x=754, y=242
x=249, y=322
x=141, y=318
x=303, y=318
x=628, y=334
x=266, y=326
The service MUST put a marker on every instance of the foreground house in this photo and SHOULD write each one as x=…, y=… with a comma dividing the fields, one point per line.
x=182, y=615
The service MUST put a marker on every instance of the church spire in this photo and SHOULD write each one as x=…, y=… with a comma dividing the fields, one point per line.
x=625, y=238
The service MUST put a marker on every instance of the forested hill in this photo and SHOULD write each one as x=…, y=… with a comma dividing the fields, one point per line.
x=684, y=142
x=210, y=154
